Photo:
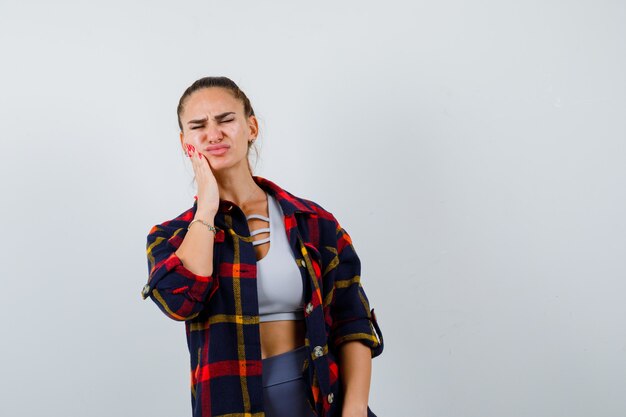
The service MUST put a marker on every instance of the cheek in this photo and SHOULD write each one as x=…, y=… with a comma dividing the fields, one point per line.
x=238, y=136
x=194, y=138
x=234, y=130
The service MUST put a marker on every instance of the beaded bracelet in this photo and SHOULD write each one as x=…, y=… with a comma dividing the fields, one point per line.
x=211, y=228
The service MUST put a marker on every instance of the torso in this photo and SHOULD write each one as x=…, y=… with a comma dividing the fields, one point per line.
x=276, y=336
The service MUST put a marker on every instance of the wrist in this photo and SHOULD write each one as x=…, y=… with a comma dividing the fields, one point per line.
x=354, y=410
x=208, y=225
x=206, y=215
x=354, y=403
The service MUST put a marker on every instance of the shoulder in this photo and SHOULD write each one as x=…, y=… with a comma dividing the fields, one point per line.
x=316, y=209
x=292, y=203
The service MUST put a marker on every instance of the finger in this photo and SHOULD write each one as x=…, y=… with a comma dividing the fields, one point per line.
x=194, y=162
x=201, y=163
x=204, y=166
x=204, y=158
x=187, y=148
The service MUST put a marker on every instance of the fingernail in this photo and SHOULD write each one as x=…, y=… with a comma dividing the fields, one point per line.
x=199, y=155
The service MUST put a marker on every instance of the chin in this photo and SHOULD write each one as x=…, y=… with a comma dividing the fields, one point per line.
x=220, y=164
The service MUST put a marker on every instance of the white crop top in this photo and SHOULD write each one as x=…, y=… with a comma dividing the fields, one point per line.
x=279, y=281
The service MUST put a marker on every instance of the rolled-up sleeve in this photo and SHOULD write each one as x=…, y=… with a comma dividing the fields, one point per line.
x=178, y=292
x=350, y=309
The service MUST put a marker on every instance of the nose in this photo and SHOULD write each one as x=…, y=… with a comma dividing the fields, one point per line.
x=214, y=134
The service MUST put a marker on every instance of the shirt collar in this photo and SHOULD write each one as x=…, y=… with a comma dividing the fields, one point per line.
x=288, y=202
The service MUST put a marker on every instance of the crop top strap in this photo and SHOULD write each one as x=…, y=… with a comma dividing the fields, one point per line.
x=258, y=216
x=257, y=231
x=260, y=230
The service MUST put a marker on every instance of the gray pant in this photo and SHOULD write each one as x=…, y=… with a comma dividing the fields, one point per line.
x=283, y=387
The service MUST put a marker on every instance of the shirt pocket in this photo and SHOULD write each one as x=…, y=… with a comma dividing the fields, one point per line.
x=315, y=257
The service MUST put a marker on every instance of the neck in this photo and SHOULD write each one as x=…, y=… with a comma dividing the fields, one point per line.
x=237, y=185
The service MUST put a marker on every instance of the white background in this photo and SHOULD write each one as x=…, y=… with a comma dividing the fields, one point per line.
x=475, y=151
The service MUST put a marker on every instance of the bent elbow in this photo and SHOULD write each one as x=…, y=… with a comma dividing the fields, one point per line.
x=178, y=297
x=179, y=308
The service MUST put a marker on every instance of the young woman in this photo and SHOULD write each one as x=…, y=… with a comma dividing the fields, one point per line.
x=268, y=283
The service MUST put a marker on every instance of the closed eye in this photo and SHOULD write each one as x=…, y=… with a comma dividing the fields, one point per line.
x=196, y=127
x=226, y=121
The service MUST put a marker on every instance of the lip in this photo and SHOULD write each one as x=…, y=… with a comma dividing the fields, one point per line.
x=217, y=149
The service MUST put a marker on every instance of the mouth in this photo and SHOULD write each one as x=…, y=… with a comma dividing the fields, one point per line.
x=217, y=149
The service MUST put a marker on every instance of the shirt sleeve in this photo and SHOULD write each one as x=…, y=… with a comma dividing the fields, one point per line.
x=178, y=292
x=350, y=309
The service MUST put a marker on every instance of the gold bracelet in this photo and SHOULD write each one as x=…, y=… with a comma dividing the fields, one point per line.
x=211, y=228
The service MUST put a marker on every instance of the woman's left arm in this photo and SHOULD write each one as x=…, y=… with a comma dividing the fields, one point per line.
x=354, y=334
x=355, y=366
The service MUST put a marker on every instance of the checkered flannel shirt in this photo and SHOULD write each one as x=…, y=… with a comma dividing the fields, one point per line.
x=221, y=311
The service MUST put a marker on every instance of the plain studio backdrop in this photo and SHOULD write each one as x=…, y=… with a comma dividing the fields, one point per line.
x=475, y=151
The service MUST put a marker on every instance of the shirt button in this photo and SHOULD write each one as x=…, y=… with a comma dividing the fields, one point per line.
x=309, y=308
x=303, y=263
x=331, y=397
x=145, y=291
x=318, y=351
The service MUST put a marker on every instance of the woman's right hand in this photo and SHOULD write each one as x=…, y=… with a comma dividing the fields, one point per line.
x=208, y=191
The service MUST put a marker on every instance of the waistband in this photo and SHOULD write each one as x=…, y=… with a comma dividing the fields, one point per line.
x=284, y=367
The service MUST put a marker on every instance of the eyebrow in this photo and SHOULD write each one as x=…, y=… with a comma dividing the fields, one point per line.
x=217, y=117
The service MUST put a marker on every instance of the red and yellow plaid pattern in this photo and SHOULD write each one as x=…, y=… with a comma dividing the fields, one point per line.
x=221, y=311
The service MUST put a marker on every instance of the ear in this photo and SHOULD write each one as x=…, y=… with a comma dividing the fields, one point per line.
x=253, y=125
x=182, y=137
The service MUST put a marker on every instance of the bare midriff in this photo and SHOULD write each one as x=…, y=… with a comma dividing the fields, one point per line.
x=281, y=336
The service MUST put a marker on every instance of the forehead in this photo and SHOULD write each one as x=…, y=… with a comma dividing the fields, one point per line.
x=210, y=101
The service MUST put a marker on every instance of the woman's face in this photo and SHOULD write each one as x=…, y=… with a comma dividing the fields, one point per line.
x=215, y=124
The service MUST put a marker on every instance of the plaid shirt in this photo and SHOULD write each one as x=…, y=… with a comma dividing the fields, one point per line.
x=221, y=311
